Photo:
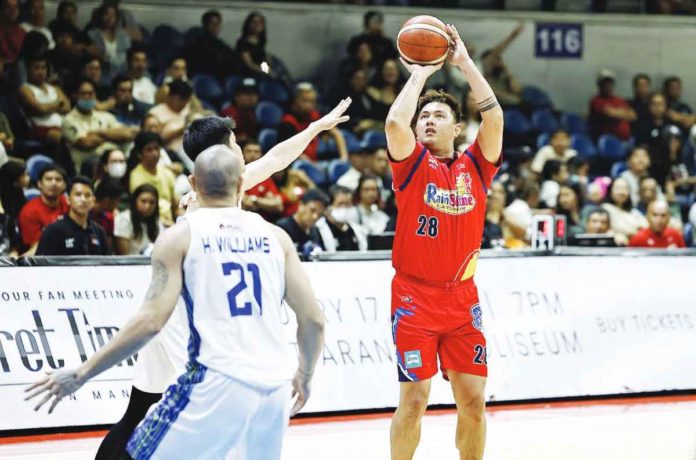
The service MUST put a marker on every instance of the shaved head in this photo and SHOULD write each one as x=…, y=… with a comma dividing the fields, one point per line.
x=218, y=172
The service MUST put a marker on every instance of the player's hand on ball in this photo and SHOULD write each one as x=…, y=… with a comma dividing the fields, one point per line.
x=335, y=117
x=426, y=70
x=56, y=385
x=458, y=53
x=301, y=387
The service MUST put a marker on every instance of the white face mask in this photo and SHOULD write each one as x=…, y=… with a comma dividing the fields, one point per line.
x=116, y=170
x=342, y=215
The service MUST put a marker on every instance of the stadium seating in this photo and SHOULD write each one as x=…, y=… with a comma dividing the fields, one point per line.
x=544, y=121
x=268, y=114
x=352, y=141
x=34, y=165
x=617, y=168
x=583, y=144
x=231, y=85
x=573, y=123
x=274, y=91
x=374, y=140
x=314, y=172
x=516, y=123
x=542, y=140
x=611, y=147
x=536, y=97
x=336, y=169
x=267, y=139
x=208, y=89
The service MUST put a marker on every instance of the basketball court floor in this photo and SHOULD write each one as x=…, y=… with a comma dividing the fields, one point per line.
x=646, y=429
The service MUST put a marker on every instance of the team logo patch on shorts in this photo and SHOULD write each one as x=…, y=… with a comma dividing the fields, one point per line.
x=412, y=359
x=477, y=317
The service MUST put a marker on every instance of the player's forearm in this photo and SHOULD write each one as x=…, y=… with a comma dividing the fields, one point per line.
x=136, y=333
x=404, y=107
x=483, y=93
x=279, y=157
x=310, y=341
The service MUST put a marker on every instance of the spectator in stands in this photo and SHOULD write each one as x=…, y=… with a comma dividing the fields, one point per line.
x=362, y=114
x=38, y=212
x=143, y=88
x=367, y=201
x=670, y=7
x=43, y=103
x=384, y=88
x=75, y=234
x=174, y=114
x=642, y=90
x=493, y=225
x=579, y=171
x=137, y=228
x=243, y=110
x=177, y=69
x=658, y=234
x=13, y=180
x=558, y=150
x=92, y=71
x=108, y=195
x=7, y=137
x=126, y=20
x=335, y=228
x=625, y=219
x=665, y=148
x=379, y=166
x=89, y=131
x=303, y=112
x=373, y=34
x=37, y=21
x=610, y=114
x=504, y=85
x=472, y=120
x=112, y=41
x=209, y=54
x=692, y=217
x=127, y=110
x=148, y=171
x=11, y=34
x=112, y=165
x=264, y=197
x=301, y=226
x=570, y=203
x=678, y=112
x=66, y=19
x=292, y=184
x=178, y=162
x=553, y=175
x=361, y=60
x=638, y=166
x=251, y=46
x=599, y=223
x=650, y=191
x=359, y=165
x=65, y=59
x=518, y=214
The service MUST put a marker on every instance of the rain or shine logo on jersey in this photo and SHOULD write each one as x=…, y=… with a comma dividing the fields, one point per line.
x=454, y=202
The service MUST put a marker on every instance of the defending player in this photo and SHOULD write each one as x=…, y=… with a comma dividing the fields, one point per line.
x=164, y=358
x=441, y=197
x=240, y=364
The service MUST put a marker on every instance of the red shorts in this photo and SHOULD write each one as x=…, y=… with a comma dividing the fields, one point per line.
x=436, y=320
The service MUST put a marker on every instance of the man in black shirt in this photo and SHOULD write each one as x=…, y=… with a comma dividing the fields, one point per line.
x=382, y=47
x=301, y=226
x=75, y=234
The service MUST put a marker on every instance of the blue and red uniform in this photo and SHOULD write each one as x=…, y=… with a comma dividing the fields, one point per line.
x=435, y=307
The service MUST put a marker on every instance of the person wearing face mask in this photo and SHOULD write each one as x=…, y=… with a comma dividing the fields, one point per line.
x=89, y=131
x=75, y=234
x=112, y=164
x=337, y=232
x=367, y=197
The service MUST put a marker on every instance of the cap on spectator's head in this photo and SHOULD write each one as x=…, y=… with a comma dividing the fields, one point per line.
x=605, y=74
x=248, y=85
x=316, y=194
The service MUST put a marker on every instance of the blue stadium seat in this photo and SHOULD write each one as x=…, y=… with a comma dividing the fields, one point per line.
x=231, y=85
x=573, y=123
x=327, y=149
x=315, y=173
x=544, y=121
x=611, y=147
x=268, y=114
x=31, y=193
x=337, y=168
x=275, y=91
x=617, y=168
x=34, y=165
x=542, y=140
x=207, y=88
x=583, y=144
x=374, y=140
x=536, y=97
x=352, y=141
x=516, y=122
x=267, y=139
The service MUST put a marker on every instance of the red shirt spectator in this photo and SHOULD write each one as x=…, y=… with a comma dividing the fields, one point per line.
x=243, y=110
x=36, y=215
x=266, y=189
x=292, y=124
x=658, y=235
x=610, y=114
x=11, y=34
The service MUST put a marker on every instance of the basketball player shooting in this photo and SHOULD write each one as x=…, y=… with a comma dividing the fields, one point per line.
x=441, y=198
x=236, y=387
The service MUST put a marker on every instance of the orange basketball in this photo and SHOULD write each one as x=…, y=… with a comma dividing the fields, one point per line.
x=423, y=40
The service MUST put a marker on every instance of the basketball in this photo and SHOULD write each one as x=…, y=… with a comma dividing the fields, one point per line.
x=423, y=40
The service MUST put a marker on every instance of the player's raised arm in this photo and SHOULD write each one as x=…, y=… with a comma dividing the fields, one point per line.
x=167, y=257
x=280, y=156
x=400, y=138
x=490, y=134
x=310, y=320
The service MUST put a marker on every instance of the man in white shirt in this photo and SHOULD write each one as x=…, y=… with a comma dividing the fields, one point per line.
x=558, y=149
x=143, y=88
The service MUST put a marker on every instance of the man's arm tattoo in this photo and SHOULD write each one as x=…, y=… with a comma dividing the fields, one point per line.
x=160, y=276
x=487, y=104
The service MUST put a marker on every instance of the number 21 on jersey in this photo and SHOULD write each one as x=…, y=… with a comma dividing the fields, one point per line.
x=245, y=310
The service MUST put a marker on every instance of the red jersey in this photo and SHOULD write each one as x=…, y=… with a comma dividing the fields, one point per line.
x=35, y=216
x=646, y=238
x=606, y=125
x=442, y=208
x=262, y=190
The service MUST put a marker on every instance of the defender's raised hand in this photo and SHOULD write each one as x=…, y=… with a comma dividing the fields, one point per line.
x=335, y=117
x=56, y=385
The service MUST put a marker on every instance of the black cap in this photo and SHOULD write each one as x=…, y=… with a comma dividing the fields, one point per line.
x=248, y=85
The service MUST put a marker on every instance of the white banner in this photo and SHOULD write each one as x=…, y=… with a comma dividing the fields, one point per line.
x=556, y=327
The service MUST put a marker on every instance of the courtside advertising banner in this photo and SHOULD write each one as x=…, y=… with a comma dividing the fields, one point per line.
x=555, y=326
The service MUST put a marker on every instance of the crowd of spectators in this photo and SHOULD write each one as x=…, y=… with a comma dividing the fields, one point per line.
x=92, y=122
